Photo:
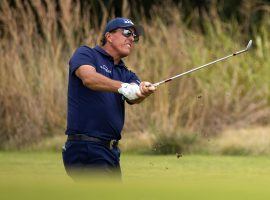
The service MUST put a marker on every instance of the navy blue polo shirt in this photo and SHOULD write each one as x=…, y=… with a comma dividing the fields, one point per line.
x=95, y=113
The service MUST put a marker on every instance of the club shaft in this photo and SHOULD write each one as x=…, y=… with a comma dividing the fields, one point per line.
x=200, y=67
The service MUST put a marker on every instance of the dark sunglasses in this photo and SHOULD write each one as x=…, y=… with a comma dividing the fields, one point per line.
x=127, y=33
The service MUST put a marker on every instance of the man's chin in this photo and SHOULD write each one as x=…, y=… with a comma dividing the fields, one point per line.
x=125, y=54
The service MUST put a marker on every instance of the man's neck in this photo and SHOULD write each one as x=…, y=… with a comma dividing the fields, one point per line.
x=112, y=53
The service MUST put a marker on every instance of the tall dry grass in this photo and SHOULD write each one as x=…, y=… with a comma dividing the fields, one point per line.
x=33, y=70
x=37, y=41
x=232, y=93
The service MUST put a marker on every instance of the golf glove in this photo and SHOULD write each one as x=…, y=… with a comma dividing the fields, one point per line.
x=129, y=91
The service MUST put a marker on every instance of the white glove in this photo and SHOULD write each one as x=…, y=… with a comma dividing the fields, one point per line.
x=129, y=91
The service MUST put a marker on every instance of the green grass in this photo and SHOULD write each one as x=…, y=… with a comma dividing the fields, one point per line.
x=40, y=175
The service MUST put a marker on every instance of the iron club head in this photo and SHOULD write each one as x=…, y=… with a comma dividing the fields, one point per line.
x=249, y=45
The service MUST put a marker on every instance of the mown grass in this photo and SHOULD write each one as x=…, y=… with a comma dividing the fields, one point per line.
x=37, y=42
x=36, y=175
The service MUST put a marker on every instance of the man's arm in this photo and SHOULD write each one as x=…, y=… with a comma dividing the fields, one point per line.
x=96, y=81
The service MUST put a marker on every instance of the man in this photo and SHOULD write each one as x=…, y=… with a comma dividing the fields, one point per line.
x=99, y=85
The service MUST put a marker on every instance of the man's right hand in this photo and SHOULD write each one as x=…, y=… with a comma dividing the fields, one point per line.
x=130, y=91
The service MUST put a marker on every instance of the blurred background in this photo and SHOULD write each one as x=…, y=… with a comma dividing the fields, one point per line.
x=224, y=109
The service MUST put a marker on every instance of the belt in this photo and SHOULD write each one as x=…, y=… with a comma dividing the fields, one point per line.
x=81, y=137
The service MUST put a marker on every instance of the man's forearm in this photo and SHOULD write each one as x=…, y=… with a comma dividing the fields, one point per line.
x=101, y=83
x=96, y=81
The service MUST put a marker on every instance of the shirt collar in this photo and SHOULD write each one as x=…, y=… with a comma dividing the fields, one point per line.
x=102, y=51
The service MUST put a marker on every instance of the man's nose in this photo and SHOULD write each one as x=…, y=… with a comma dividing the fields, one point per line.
x=131, y=38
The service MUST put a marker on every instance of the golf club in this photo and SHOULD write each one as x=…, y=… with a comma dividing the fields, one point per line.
x=205, y=65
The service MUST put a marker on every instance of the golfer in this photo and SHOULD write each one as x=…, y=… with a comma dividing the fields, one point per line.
x=99, y=85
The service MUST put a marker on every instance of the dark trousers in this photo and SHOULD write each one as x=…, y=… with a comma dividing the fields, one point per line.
x=84, y=159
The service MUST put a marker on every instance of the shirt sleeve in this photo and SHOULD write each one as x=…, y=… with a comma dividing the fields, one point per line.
x=82, y=56
x=133, y=78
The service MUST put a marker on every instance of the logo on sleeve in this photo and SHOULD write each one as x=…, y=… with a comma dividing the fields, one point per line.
x=105, y=68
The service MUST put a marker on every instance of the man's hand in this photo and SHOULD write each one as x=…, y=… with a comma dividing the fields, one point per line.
x=146, y=89
x=130, y=91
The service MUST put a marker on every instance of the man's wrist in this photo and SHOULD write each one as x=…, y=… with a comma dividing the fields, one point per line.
x=129, y=91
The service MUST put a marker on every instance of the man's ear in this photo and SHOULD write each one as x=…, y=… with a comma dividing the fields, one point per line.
x=108, y=37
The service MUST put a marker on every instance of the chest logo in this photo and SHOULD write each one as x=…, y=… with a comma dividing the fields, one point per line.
x=105, y=68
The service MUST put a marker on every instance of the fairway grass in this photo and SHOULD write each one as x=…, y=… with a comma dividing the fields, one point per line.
x=40, y=175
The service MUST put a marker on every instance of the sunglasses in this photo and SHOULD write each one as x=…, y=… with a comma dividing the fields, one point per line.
x=127, y=33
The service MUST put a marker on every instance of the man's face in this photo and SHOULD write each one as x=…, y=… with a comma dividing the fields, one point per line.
x=122, y=41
